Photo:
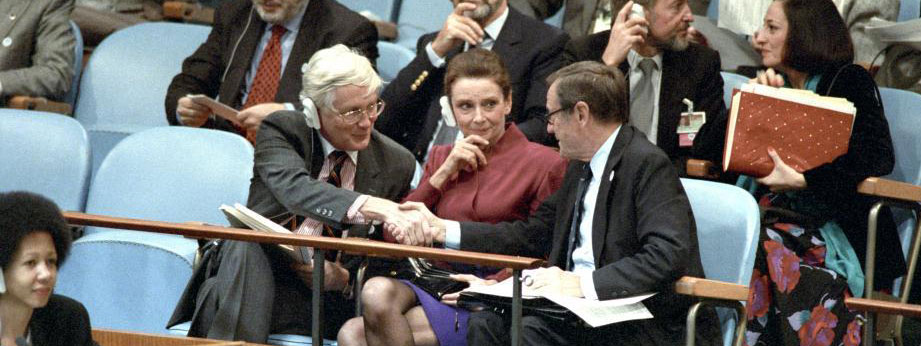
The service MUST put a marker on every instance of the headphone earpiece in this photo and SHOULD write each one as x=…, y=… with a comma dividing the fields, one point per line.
x=311, y=114
x=447, y=113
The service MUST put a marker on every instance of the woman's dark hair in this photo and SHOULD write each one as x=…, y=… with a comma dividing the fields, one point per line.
x=478, y=63
x=22, y=213
x=817, y=38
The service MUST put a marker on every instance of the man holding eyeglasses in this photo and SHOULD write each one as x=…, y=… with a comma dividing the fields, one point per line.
x=324, y=171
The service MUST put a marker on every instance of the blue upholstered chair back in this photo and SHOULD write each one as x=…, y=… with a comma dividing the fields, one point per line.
x=731, y=81
x=418, y=17
x=71, y=96
x=127, y=280
x=903, y=111
x=392, y=59
x=728, y=224
x=909, y=9
x=174, y=174
x=383, y=9
x=124, y=85
x=45, y=153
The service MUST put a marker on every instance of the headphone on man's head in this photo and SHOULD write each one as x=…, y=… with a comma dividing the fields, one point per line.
x=311, y=113
x=447, y=113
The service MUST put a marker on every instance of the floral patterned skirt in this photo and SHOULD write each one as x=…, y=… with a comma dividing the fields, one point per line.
x=793, y=299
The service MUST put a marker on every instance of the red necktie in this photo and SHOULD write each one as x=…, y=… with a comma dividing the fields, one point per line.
x=265, y=83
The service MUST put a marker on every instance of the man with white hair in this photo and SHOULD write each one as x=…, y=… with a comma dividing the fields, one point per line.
x=323, y=171
x=245, y=61
x=662, y=68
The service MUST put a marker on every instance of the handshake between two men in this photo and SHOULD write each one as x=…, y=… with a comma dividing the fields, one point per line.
x=409, y=223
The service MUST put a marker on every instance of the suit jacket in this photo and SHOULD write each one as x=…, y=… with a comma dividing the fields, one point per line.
x=288, y=159
x=63, y=321
x=693, y=73
x=869, y=154
x=579, y=15
x=530, y=50
x=643, y=232
x=229, y=49
x=39, y=59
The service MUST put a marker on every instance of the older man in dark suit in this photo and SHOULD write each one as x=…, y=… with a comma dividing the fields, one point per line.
x=529, y=48
x=620, y=225
x=253, y=57
x=662, y=68
x=324, y=171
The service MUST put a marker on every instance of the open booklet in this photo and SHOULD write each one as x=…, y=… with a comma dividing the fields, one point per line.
x=595, y=313
x=240, y=216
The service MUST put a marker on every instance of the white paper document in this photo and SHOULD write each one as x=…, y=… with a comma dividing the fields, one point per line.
x=219, y=109
x=595, y=313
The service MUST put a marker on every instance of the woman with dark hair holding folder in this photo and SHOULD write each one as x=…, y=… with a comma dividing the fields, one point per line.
x=34, y=240
x=493, y=174
x=813, y=239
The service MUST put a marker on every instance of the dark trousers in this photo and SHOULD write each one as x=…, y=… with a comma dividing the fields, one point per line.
x=490, y=328
x=256, y=293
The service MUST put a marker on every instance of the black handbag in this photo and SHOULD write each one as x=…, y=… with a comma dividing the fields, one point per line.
x=434, y=281
x=542, y=307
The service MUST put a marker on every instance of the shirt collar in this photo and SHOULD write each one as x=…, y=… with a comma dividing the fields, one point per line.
x=294, y=24
x=328, y=148
x=633, y=58
x=494, y=28
x=600, y=159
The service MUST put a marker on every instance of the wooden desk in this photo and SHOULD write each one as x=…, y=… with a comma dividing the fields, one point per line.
x=107, y=337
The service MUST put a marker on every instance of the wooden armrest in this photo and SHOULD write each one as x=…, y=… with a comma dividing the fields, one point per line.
x=39, y=104
x=386, y=31
x=702, y=169
x=704, y=288
x=880, y=306
x=881, y=187
x=188, y=12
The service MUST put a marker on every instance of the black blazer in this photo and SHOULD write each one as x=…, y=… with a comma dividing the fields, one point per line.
x=643, y=232
x=530, y=50
x=63, y=321
x=325, y=24
x=693, y=73
x=869, y=154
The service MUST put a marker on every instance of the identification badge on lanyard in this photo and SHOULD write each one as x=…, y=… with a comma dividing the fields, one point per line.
x=689, y=124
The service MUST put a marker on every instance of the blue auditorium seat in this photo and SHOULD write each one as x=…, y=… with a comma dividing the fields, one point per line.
x=127, y=280
x=123, y=88
x=419, y=17
x=728, y=223
x=392, y=59
x=731, y=81
x=45, y=153
x=383, y=9
x=173, y=174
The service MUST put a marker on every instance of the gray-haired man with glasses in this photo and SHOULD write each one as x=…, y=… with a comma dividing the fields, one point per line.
x=324, y=171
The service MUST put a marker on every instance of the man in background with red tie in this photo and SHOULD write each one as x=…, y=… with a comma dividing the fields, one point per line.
x=253, y=57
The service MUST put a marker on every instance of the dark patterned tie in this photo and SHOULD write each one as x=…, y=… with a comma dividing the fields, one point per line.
x=337, y=160
x=577, y=215
x=265, y=83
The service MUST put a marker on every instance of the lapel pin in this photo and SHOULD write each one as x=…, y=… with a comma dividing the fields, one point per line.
x=611, y=176
x=7, y=41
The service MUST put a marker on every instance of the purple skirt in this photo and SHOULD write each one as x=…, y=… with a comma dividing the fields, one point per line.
x=448, y=322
